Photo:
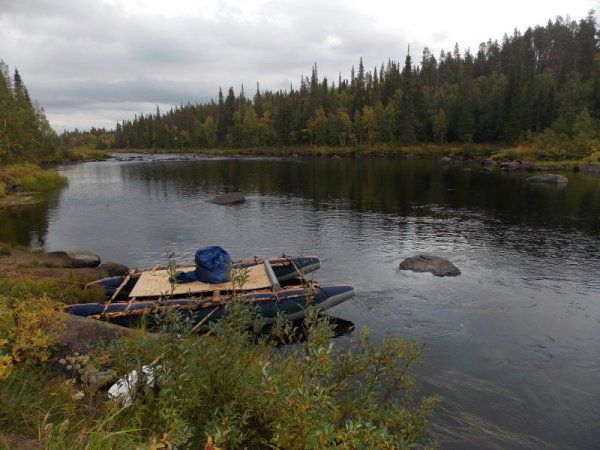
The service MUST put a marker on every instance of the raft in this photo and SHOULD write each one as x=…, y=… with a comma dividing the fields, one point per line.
x=291, y=302
x=285, y=269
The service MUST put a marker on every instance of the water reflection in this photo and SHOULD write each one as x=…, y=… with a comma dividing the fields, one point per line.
x=27, y=225
x=404, y=187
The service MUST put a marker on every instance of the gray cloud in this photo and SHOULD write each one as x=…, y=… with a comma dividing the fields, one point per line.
x=77, y=56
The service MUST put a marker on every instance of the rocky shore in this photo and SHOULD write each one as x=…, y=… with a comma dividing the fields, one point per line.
x=489, y=164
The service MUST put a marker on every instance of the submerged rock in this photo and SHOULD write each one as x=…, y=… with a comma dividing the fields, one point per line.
x=229, y=199
x=74, y=258
x=549, y=179
x=445, y=161
x=113, y=269
x=591, y=170
x=440, y=267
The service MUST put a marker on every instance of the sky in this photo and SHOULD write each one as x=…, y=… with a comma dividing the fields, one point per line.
x=96, y=62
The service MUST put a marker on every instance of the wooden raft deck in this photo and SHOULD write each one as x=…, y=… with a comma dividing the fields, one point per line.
x=156, y=283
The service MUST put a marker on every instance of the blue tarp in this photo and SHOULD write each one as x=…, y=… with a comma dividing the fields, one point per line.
x=212, y=266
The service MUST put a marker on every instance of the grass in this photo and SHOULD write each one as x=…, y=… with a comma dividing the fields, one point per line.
x=82, y=153
x=65, y=288
x=33, y=178
x=555, y=158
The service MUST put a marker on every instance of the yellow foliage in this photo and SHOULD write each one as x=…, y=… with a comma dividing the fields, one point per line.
x=28, y=329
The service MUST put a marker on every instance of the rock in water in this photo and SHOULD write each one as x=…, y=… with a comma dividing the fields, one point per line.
x=229, y=199
x=113, y=269
x=440, y=267
x=549, y=179
x=445, y=161
x=74, y=259
x=591, y=170
x=509, y=166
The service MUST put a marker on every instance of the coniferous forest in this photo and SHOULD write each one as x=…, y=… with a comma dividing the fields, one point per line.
x=542, y=85
x=25, y=133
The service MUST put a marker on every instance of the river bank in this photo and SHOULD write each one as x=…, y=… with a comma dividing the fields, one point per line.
x=56, y=371
x=23, y=183
x=505, y=157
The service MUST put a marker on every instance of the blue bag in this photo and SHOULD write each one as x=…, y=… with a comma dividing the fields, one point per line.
x=212, y=264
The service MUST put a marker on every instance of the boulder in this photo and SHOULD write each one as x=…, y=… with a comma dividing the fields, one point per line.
x=229, y=199
x=74, y=258
x=509, y=165
x=549, y=179
x=489, y=162
x=440, y=267
x=445, y=161
x=113, y=269
x=526, y=165
x=81, y=334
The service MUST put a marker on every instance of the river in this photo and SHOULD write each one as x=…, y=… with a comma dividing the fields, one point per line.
x=511, y=345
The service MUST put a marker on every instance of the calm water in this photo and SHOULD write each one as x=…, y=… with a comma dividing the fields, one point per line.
x=512, y=345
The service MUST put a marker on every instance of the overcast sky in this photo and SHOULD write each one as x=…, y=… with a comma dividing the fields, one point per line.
x=93, y=62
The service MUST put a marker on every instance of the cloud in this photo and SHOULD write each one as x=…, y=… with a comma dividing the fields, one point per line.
x=91, y=63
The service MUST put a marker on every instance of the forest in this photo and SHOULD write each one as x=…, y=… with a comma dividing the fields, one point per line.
x=25, y=133
x=541, y=86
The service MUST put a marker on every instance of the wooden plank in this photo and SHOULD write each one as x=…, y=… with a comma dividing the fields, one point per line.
x=156, y=283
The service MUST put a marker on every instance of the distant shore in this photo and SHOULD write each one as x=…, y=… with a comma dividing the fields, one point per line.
x=503, y=156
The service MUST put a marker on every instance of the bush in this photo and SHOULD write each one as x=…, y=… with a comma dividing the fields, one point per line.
x=239, y=390
x=232, y=386
x=28, y=329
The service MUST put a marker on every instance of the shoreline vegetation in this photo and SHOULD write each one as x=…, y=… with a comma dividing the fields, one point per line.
x=526, y=157
x=248, y=393
x=21, y=183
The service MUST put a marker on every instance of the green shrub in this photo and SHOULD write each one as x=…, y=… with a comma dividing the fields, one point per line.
x=241, y=391
x=593, y=159
x=233, y=386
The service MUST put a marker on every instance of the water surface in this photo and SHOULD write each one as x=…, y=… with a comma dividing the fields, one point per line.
x=512, y=345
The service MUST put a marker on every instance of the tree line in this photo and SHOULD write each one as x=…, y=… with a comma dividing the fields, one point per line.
x=25, y=133
x=545, y=80
x=542, y=85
